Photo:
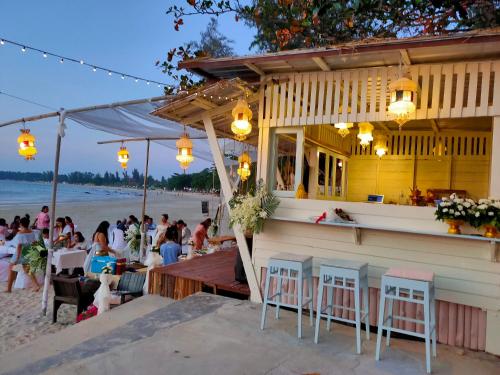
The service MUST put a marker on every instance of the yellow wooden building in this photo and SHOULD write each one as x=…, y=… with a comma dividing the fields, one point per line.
x=451, y=142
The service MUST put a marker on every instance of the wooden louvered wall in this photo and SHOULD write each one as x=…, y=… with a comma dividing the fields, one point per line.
x=454, y=90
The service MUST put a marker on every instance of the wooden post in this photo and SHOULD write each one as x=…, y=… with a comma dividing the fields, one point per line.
x=48, y=268
x=495, y=159
x=255, y=295
x=145, y=190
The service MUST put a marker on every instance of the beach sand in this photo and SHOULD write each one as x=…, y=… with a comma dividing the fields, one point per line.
x=20, y=319
x=87, y=215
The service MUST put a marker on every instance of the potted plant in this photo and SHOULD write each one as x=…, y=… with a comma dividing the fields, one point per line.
x=486, y=214
x=454, y=211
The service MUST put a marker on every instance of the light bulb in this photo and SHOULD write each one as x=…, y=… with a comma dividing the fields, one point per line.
x=136, y=80
x=147, y=83
x=23, y=49
x=123, y=77
x=109, y=73
x=2, y=42
x=61, y=61
x=94, y=69
x=81, y=62
x=45, y=54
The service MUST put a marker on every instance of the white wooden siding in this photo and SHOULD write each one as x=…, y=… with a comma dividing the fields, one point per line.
x=453, y=90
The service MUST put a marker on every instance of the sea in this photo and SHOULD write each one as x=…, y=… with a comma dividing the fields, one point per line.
x=39, y=193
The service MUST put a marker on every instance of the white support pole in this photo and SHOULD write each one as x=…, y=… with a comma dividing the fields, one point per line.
x=255, y=295
x=495, y=159
x=145, y=191
x=48, y=268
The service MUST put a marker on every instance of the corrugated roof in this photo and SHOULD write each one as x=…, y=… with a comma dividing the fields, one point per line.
x=478, y=44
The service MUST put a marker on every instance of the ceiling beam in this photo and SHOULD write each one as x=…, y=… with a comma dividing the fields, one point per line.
x=381, y=125
x=405, y=57
x=435, y=126
x=255, y=68
x=321, y=63
x=204, y=104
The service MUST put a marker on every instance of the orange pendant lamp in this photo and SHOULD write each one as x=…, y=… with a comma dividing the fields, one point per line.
x=242, y=115
x=123, y=156
x=244, y=164
x=26, y=143
x=184, y=151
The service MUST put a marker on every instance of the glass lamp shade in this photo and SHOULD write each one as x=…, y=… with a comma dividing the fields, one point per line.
x=123, y=156
x=365, y=134
x=402, y=95
x=244, y=163
x=381, y=145
x=242, y=115
x=26, y=143
x=184, y=151
x=343, y=128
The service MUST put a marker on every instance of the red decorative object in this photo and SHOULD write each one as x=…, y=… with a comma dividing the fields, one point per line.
x=89, y=313
x=321, y=218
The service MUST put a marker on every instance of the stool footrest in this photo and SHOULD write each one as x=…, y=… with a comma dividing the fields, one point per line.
x=406, y=299
x=404, y=332
x=411, y=320
x=343, y=319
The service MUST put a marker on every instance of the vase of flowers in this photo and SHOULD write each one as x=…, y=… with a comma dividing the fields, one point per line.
x=454, y=211
x=250, y=210
x=133, y=238
x=486, y=214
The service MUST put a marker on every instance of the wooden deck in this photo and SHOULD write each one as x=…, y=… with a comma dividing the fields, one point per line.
x=215, y=271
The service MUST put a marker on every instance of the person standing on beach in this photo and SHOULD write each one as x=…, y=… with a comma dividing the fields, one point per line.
x=201, y=233
x=161, y=229
x=42, y=220
x=184, y=235
x=24, y=237
x=170, y=250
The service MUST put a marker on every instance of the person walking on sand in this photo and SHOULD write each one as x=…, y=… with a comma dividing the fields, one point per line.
x=42, y=220
x=24, y=237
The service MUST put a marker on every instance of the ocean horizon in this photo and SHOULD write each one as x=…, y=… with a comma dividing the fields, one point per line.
x=39, y=193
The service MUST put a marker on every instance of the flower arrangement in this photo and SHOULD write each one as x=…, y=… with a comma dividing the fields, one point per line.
x=250, y=210
x=133, y=238
x=486, y=212
x=89, y=313
x=35, y=256
x=454, y=208
x=213, y=229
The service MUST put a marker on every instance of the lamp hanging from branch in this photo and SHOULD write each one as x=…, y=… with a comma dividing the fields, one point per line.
x=343, y=128
x=244, y=164
x=123, y=156
x=403, y=92
x=184, y=151
x=242, y=115
x=26, y=143
x=381, y=145
x=365, y=134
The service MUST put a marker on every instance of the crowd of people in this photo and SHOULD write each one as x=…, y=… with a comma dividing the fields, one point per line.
x=171, y=239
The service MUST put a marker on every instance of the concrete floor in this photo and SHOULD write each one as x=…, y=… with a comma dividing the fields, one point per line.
x=206, y=334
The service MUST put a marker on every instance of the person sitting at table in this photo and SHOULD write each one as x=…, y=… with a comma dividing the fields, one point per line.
x=151, y=225
x=170, y=250
x=161, y=229
x=24, y=237
x=78, y=242
x=201, y=233
x=184, y=235
x=118, y=242
x=69, y=227
x=4, y=229
x=45, y=237
x=42, y=220
x=100, y=244
x=61, y=236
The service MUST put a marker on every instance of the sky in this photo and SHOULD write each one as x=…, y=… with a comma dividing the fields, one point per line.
x=124, y=35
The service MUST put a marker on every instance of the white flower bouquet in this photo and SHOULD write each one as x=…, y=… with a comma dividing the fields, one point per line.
x=133, y=238
x=454, y=208
x=252, y=209
x=486, y=212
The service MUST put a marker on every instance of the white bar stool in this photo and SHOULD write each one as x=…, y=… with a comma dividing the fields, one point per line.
x=286, y=266
x=347, y=275
x=413, y=286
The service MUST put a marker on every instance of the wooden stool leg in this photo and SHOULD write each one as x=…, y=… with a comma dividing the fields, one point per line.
x=357, y=314
x=427, y=331
x=390, y=314
x=381, y=319
x=319, y=304
x=264, y=302
x=311, y=297
x=278, y=293
x=366, y=304
x=300, y=301
x=330, y=291
x=433, y=323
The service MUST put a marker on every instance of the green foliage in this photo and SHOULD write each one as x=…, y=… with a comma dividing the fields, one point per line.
x=289, y=24
x=35, y=256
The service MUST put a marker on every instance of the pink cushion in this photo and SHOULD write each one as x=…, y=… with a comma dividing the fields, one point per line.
x=412, y=274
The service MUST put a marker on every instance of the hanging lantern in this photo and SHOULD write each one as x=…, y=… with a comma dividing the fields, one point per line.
x=26, y=142
x=242, y=115
x=402, y=93
x=184, y=151
x=365, y=134
x=343, y=128
x=244, y=163
x=123, y=156
x=381, y=145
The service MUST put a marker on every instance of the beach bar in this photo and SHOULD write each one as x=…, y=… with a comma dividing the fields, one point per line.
x=326, y=138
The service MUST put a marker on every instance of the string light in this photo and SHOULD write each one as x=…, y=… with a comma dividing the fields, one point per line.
x=63, y=59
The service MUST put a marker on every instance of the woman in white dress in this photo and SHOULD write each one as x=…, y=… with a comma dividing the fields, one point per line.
x=23, y=237
x=161, y=229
